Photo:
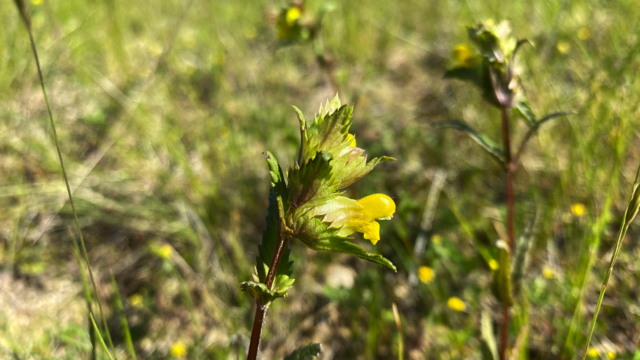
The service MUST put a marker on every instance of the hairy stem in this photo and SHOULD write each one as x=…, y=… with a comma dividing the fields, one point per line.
x=261, y=309
x=510, y=174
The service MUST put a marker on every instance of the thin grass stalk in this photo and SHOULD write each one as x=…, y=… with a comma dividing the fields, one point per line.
x=123, y=319
x=87, y=297
x=629, y=214
x=22, y=8
x=97, y=332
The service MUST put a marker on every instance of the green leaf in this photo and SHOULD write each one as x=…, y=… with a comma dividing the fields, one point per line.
x=327, y=132
x=485, y=142
x=261, y=293
x=267, y=248
x=308, y=352
x=489, y=344
x=521, y=258
x=523, y=110
x=310, y=179
x=319, y=236
x=277, y=180
x=502, y=277
x=352, y=166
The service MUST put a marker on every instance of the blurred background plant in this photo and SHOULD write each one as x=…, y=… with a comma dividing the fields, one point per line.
x=163, y=111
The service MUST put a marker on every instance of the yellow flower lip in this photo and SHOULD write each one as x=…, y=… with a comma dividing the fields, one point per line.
x=351, y=216
x=377, y=207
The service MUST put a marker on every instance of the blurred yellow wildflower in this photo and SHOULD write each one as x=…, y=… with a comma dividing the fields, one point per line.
x=426, y=274
x=293, y=14
x=564, y=46
x=36, y=2
x=584, y=33
x=363, y=219
x=437, y=239
x=611, y=355
x=493, y=264
x=351, y=138
x=456, y=304
x=165, y=251
x=592, y=352
x=178, y=349
x=578, y=209
x=464, y=56
x=548, y=273
x=135, y=300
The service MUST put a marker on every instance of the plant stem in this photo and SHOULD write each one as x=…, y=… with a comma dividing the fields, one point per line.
x=261, y=309
x=510, y=170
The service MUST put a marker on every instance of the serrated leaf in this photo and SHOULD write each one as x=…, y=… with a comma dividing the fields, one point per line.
x=327, y=132
x=483, y=141
x=261, y=293
x=267, y=248
x=502, y=277
x=318, y=236
x=351, y=165
x=307, y=352
x=309, y=179
x=278, y=182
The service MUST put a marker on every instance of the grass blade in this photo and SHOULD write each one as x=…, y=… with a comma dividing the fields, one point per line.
x=123, y=319
x=629, y=214
x=24, y=13
x=97, y=332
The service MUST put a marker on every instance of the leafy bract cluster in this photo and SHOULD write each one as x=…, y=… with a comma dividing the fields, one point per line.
x=307, y=203
x=328, y=161
x=492, y=67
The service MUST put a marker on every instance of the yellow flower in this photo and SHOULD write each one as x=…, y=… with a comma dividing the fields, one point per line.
x=293, y=14
x=351, y=216
x=250, y=32
x=456, y=304
x=493, y=264
x=426, y=274
x=36, y=2
x=592, y=352
x=564, y=46
x=611, y=355
x=437, y=239
x=351, y=138
x=164, y=251
x=464, y=56
x=135, y=300
x=578, y=209
x=178, y=349
x=584, y=33
x=548, y=273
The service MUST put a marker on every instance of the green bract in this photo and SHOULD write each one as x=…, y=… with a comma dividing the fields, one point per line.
x=306, y=203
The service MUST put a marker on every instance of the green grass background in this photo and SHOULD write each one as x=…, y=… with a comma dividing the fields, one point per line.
x=164, y=107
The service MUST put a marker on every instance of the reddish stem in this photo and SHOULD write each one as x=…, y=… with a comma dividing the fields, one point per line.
x=510, y=172
x=261, y=309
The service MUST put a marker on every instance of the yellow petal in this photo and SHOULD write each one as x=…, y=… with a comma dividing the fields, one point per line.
x=293, y=14
x=464, y=56
x=377, y=206
x=593, y=352
x=426, y=274
x=456, y=304
x=351, y=138
x=371, y=231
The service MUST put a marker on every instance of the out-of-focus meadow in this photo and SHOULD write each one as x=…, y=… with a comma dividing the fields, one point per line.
x=164, y=107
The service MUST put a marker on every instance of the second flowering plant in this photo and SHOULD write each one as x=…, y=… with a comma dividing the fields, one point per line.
x=307, y=203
